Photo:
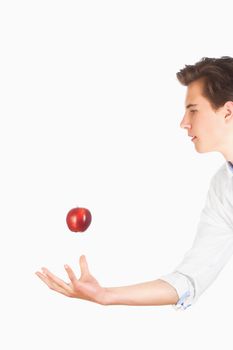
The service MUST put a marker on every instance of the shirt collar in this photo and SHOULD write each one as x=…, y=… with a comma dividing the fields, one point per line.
x=229, y=167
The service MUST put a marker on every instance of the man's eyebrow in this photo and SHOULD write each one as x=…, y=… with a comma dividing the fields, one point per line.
x=191, y=105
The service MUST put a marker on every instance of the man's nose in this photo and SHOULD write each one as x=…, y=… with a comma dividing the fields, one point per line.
x=184, y=124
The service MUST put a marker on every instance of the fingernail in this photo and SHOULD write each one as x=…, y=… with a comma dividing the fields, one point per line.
x=66, y=266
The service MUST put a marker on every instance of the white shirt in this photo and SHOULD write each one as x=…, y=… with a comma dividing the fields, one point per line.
x=213, y=244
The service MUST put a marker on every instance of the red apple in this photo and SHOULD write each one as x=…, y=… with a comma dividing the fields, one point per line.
x=78, y=219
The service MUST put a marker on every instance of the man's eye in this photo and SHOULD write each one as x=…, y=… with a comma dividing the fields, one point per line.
x=193, y=110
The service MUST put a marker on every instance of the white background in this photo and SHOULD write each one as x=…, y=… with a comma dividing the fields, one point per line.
x=90, y=116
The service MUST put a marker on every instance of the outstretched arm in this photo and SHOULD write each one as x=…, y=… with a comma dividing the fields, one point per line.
x=156, y=292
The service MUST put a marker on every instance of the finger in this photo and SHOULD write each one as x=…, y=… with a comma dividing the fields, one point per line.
x=45, y=279
x=71, y=274
x=51, y=284
x=56, y=280
x=83, y=266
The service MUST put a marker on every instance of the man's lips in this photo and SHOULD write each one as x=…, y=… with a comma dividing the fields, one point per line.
x=193, y=137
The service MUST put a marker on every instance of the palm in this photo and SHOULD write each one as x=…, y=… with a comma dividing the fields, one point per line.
x=86, y=287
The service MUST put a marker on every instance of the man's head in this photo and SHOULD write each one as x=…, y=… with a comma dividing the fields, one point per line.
x=209, y=104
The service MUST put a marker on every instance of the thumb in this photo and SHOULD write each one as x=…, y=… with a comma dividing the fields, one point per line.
x=83, y=265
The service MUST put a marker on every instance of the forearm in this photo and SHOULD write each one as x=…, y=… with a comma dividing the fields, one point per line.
x=156, y=292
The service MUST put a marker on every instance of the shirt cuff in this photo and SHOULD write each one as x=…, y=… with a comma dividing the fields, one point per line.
x=184, y=288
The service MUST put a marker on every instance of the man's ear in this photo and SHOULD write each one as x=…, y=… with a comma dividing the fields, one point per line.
x=229, y=110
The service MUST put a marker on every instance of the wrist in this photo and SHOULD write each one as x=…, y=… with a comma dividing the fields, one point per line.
x=109, y=297
x=103, y=297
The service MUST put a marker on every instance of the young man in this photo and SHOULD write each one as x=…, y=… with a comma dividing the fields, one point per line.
x=208, y=119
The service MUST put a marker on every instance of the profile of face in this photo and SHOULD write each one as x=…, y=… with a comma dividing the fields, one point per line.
x=213, y=129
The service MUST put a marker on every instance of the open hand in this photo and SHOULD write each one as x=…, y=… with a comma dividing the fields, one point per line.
x=86, y=287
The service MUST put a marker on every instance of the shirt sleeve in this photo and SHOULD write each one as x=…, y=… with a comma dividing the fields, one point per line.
x=212, y=248
x=184, y=287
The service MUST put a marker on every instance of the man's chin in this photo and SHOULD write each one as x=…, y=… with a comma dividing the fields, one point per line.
x=202, y=150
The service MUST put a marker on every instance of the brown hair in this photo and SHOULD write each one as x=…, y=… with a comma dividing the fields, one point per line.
x=217, y=77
